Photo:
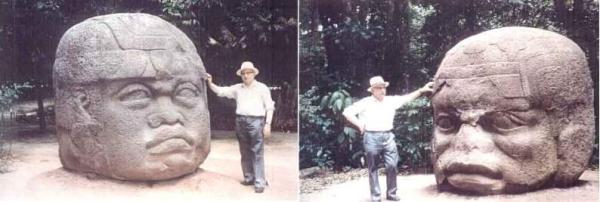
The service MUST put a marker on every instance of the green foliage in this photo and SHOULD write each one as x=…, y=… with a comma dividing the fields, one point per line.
x=10, y=93
x=325, y=141
x=413, y=126
x=316, y=132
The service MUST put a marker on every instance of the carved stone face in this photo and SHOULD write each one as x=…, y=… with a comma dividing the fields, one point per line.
x=488, y=143
x=130, y=107
x=157, y=127
x=499, y=113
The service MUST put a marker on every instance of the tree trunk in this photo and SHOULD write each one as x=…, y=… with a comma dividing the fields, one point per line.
x=40, y=103
x=397, y=52
x=561, y=11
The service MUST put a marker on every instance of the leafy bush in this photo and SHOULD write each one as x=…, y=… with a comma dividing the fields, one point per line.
x=315, y=130
x=413, y=127
x=325, y=141
x=10, y=93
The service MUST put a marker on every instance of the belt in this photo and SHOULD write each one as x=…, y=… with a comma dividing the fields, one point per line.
x=248, y=116
x=383, y=131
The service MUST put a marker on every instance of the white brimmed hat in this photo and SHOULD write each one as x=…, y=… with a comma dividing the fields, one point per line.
x=247, y=65
x=376, y=81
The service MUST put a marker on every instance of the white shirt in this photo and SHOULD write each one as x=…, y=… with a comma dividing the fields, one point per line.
x=253, y=100
x=376, y=115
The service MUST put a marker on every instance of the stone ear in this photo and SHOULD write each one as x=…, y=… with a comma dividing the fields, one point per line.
x=84, y=131
x=574, y=150
x=81, y=100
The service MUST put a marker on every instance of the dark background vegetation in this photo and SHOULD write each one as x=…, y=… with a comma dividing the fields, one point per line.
x=345, y=42
x=224, y=32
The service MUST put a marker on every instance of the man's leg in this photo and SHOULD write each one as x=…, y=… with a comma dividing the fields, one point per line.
x=257, y=149
x=390, y=156
x=372, y=150
x=243, y=136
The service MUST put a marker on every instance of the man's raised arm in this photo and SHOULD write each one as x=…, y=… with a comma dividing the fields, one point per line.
x=427, y=88
x=220, y=91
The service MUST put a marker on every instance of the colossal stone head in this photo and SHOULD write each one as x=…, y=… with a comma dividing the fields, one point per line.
x=130, y=99
x=513, y=112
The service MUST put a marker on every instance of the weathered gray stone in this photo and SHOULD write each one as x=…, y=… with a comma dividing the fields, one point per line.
x=130, y=99
x=513, y=112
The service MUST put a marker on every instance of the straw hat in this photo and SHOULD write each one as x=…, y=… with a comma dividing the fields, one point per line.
x=247, y=65
x=376, y=81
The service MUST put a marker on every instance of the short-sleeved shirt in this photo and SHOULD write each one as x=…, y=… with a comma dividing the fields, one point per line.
x=376, y=115
x=253, y=100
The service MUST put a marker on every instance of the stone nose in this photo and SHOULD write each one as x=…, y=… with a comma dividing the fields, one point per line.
x=164, y=118
x=471, y=117
x=166, y=114
x=473, y=138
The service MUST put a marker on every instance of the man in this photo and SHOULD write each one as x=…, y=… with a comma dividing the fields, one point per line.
x=130, y=99
x=254, y=111
x=513, y=112
x=376, y=118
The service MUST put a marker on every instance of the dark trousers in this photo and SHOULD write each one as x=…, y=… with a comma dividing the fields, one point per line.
x=376, y=144
x=249, y=132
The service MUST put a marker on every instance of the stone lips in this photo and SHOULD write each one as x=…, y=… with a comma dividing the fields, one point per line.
x=543, y=68
x=95, y=60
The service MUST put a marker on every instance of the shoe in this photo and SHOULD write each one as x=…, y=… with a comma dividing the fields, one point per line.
x=259, y=189
x=393, y=198
x=247, y=183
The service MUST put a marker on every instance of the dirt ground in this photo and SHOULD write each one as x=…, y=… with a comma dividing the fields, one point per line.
x=36, y=174
x=354, y=186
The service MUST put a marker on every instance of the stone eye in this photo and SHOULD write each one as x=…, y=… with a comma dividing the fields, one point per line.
x=445, y=123
x=135, y=96
x=134, y=92
x=187, y=92
x=503, y=122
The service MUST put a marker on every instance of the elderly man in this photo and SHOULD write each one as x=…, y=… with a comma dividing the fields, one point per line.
x=513, y=112
x=376, y=118
x=254, y=111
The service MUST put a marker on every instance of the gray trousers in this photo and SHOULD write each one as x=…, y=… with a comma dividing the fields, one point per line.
x=249, y=132
x=376, y=144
